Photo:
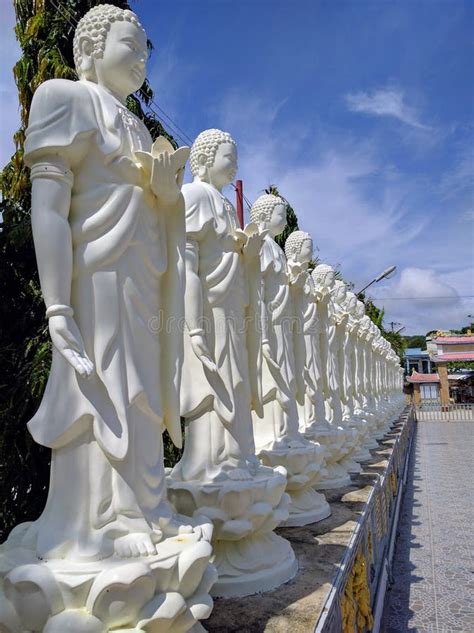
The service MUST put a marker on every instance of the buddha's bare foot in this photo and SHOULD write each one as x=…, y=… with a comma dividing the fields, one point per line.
x=134, y=545
x=239, y=474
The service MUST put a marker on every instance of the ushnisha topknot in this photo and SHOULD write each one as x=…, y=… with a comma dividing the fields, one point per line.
x=207, y=143
x=95, y=24
x=294, y=243
x=320, y=271
x=262, y=208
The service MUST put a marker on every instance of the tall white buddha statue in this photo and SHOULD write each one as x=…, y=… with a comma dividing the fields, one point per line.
x=358, y=333
x=299, y=252
x=219, y=474
x=277, y=437
x=347, y=364
x=338, y=319
x=109, y=236
x=329, y=431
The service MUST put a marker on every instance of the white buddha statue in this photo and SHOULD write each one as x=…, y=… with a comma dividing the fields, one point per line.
x=109, y=237
x=346, y=333
x=336, y=358
x=329, y=430
x=277, y=437
x=219, y=474
x=216, y=390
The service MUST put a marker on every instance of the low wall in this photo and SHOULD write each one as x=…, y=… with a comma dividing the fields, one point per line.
x=343, y=560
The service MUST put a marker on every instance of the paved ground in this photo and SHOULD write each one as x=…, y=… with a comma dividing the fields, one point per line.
x=433, y=571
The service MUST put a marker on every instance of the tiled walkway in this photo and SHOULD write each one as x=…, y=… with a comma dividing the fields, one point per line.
x=433, y=571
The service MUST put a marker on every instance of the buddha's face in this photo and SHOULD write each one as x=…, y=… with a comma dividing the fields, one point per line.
x=340, y=293
x=223, y=170
x=306, y=251
x=122, y=67
x=278, y=220
x=351, y=304
x=325, y=280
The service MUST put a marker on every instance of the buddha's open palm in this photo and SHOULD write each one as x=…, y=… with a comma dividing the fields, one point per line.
x=164, y=182
x=68, y=341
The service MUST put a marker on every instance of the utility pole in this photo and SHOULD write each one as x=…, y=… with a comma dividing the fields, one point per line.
x=239, y=193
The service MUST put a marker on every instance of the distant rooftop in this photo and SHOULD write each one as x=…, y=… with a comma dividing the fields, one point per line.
x=417, y=377
x=453, y=356
x=454, y=340
x=416, y=351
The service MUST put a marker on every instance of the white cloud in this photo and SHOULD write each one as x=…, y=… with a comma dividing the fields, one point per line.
x=423, y=299
x=363, y=214
x=386, y=102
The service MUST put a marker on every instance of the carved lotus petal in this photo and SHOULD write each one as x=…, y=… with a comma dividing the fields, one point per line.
x=296, y=482
x=117, y=595
x=192, y=564
x=236, y=502
x=200, y=606
x=35, y=594
x=235, y=529
x=312, y=471
x=209, y=578
x=259, y=514
x=9, y=620
x=213, y=513
x=74, y=620
x=161, y=613
x=276, y=487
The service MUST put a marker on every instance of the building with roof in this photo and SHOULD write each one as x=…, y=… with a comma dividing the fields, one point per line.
x=431, y=374
x=459, y=349
x=417, y=360
x=426, y=387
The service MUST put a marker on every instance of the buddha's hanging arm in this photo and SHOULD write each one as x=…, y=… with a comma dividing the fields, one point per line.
x=193, y=307
x=50, y=203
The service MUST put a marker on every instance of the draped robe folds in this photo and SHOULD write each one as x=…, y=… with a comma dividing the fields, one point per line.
x=107, y=473
x=357, y=364
x=313, y=408
x=345, y=366
x=333, y=403
x=217, y=408
x=278, y=383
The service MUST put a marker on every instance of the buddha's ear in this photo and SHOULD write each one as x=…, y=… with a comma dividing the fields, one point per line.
x=202, y=165
x=86, y=48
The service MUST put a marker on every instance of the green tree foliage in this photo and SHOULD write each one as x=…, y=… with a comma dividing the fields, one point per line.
x=396, y=340
x=457, y=365
x=418, y=340
x=291, y=224
x=291, y=219
x=45, y=35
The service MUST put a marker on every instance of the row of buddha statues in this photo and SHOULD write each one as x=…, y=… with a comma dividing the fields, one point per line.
x=166, y=315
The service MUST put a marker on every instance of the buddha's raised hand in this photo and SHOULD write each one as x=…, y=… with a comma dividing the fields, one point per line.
x=68, y=341
x=163, y=180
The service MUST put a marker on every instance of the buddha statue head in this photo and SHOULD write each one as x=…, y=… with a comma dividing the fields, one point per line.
x=299, y=247
x=110, y=49
x=269, y=212
x=360, y=309
x=324, y=277
x=350, y=303
x=213, y=158
x=340, y=292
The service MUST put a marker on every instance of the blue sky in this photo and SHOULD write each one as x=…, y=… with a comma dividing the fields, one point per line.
x=362, y=112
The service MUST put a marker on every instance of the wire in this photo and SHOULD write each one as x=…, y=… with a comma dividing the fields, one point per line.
x=186, y=136
x=419, y=298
